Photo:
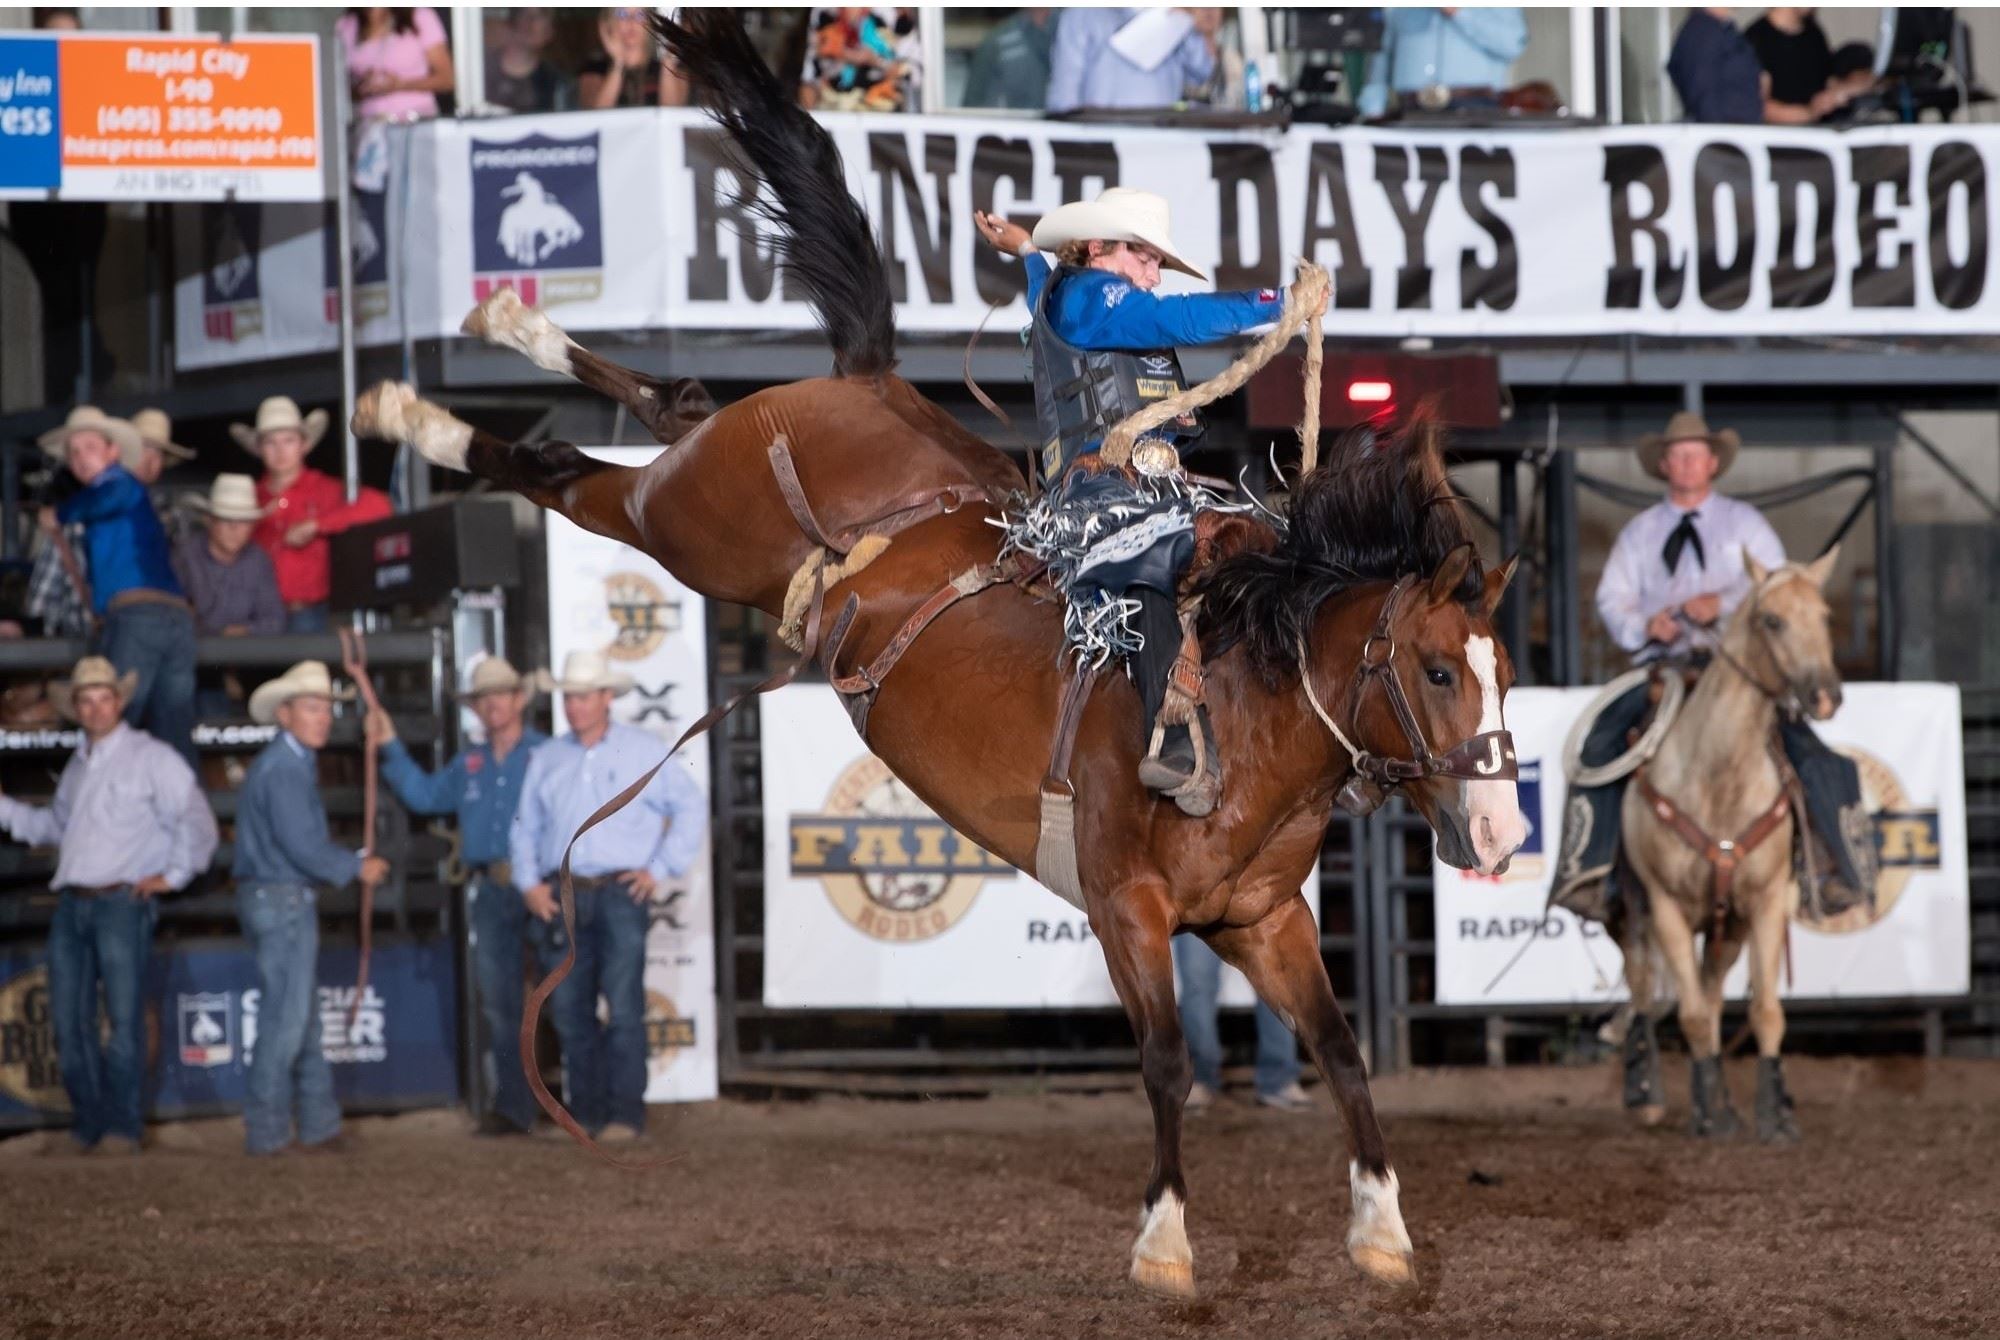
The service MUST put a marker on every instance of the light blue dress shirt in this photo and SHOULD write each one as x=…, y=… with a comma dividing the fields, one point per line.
x=125, y=808
x=660, y=832
x=1473, y=48
x=1086, y=72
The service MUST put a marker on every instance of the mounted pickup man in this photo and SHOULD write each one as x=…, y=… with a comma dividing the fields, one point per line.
x=1119, y=539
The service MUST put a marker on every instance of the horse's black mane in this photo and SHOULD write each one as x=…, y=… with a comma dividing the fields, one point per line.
x=1377, y=507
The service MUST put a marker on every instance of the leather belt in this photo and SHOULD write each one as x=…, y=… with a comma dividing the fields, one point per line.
x=146, y=595
x=96, y=890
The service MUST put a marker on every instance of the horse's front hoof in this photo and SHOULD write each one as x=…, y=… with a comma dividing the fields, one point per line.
x=1381, y=1263
x=1722, y=1123
x=378, y=411
x=1650, y=1114
x=1164, y=1279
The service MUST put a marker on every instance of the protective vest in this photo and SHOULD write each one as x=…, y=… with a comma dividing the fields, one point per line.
x=1081, y=394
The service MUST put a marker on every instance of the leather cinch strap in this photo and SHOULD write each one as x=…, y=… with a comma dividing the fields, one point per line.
x=1055, y=848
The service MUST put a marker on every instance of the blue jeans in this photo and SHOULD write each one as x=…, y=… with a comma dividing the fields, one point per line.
x=498, y=919
x=103, y=938
x=604, y=1065
x=288, y=1068
x=157, y=641
x=1201, y=984
x=307, y=619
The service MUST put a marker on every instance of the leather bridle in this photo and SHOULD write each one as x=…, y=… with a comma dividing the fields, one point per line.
x=1786, y=695
x=1485, y=757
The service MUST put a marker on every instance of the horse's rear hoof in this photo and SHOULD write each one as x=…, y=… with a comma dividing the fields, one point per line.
x=1164, y=1279
x=1650, y=1114
x=378, y=411
x=499, y=309
x=1380, y=1263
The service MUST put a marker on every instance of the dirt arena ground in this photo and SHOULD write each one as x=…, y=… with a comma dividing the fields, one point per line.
x=1012, y=1217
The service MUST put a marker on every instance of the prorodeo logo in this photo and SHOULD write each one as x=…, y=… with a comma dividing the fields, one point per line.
x=1906, y=841
x=232, y=307
x=643, y=615
x=30, y=1073
x=894, y=869
x=536, y=219
x=207, y=1029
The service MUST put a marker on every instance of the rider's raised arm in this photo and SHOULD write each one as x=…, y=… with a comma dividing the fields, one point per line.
x=1118, y=315
x=1036, y=266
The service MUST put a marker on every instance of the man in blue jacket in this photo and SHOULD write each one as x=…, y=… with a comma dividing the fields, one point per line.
x=1103, y=345
x=284, y=856
x=483, y=786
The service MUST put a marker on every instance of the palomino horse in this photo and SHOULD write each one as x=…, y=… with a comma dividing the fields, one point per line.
x=1708, y=830
x=1371, y=613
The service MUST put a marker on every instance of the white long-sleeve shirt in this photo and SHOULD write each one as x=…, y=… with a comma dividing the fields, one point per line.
x=126, y=807
x=1636, y=584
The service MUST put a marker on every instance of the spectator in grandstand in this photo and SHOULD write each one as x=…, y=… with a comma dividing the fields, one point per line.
x=628, y=71
x=302, y=507
x=1678, y=565
x=144, y=621
x=284, y=856
x=1715, y=70
x=1436, y=59
x=863, y=59
x=131, y=823
x=398, y=61
x=617, y=867
x=1798, y=83
x=1011, y=66
x=159, y=453
x=231, y=581
x=483, y=787
x=1091, y=67
x=1200, y=999
x=58, y=593
x=519, y=76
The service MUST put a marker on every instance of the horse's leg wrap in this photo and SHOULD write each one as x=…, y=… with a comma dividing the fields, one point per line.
x=1714, y=1118
x=1775, y=1122
x=1645, y=1093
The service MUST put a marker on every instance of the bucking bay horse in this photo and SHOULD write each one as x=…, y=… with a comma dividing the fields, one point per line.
x=1707, y=827
x=1339, y=651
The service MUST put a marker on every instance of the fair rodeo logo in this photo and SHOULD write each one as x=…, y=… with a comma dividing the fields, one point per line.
x=537, y=219
x=892, y=868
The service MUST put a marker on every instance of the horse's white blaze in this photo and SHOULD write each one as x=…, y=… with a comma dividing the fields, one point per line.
x=513, y=324
x=1493, y=809
x=1163, y=1235
x=1378, y=1219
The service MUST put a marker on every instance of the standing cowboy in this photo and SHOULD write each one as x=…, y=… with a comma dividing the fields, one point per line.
x=616, y=867
x=283, y=857
x=1678, y=565
x=145, y=621
x=1104, y=345
x=304, y=507
x=159, y=453
x=132, y=823
x=483, y=787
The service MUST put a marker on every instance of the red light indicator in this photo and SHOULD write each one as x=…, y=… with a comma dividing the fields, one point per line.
x=1369, y=393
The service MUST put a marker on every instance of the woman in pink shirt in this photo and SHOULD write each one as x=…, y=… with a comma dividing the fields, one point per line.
x=398, y=61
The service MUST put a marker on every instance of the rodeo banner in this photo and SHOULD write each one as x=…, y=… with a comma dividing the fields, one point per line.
x=636, y=219
x=871, y=900
x=1498, y=943
x=604, y=596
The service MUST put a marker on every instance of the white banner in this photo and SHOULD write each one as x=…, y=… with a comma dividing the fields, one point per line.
x=872, y=901
x=1495, y=945
x=606, y=596
x=630, y=220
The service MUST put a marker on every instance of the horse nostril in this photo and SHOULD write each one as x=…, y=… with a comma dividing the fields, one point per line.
x=1485, y=835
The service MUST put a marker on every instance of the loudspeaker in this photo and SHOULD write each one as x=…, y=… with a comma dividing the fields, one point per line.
x=420, y=558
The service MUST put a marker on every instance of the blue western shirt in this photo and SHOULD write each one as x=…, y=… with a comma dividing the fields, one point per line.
x=481, y=790
x=1422, y=46
x=122, y=533
x=660, y=832
x=281, y=833
x=1096, y=309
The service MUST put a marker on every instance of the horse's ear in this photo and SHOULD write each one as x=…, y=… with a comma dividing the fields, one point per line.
x=1495, y=585
x=1445, y=581
x=1758, y=572
x=1821, y=568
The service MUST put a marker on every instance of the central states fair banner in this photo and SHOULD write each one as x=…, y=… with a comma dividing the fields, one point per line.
x=640, y=219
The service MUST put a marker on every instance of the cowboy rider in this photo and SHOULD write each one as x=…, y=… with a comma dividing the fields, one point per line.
x=1103, y=345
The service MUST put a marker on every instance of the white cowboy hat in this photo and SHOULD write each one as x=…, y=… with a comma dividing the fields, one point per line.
x=156, y=430
x=307, y=679
x=495, y=674
x=1119, y=214
x=89, y=418
x=230, y=498
x=92, y=672
x=588, y=671
x=277, y=413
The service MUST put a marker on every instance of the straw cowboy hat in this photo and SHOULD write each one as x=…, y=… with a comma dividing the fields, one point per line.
x=307, y=679
x=92, y=672
x=230, y=498
x=277, y=413
x=1119, y=214
x=89, y=418
x=156, y=430
x=496, y=675
x=588, y=671
x=1687, y=426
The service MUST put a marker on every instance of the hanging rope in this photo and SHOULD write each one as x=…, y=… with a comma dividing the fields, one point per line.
x=1301, y=302
x=354, y=659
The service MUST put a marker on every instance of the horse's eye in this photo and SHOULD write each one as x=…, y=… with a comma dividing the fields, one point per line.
x=1439, y=676
x=1774, y=623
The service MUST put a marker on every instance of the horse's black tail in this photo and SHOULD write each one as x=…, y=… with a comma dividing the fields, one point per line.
x=824, y=237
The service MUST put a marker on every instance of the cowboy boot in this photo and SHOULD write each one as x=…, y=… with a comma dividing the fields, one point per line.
x=1645, y=1094
x=1775, y=1123
x=1176, y=764
x=1184, y=769
x=1714, y=1119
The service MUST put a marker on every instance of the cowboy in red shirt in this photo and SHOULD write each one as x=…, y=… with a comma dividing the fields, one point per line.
x=303, y=507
